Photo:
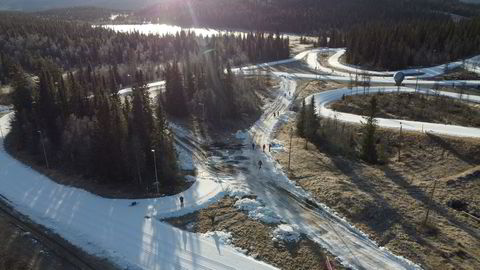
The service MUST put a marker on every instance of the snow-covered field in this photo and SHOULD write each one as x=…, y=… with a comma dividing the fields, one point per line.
x=131, y=236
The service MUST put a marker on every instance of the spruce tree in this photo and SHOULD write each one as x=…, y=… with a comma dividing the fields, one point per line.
x=301, y=120
x=369, y=150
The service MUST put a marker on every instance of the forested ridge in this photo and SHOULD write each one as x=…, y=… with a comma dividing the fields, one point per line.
x=66, y=78
x=413, y=43
x=28, y=40
x=306, y=16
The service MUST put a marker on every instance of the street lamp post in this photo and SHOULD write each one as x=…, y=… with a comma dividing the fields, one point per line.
x=156, y=174
x=43, y=146
x=290, y=148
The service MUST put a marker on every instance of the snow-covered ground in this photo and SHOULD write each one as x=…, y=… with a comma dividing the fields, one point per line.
x=427, y=72
x=131, y=236
x=322, y=99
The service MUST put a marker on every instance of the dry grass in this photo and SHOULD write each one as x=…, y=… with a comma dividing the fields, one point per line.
x=411, y=106
x=459, y=74
x=389, y=202
x=254, y=237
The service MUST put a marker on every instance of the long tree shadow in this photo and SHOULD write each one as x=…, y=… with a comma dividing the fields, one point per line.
x=380, y=215
x=447, y=146
x=420, y=195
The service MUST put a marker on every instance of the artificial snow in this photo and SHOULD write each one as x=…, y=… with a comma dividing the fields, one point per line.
x=241, y=135
x=219, y=237
x=131, y=236
x=286, y=233
x=257, y=211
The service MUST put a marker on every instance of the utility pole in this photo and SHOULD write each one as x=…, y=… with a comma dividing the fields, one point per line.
x=156, y=174
x=400, y=142
x=416, y=81
x=431, y=197
x=290, y=148
x=43, y=146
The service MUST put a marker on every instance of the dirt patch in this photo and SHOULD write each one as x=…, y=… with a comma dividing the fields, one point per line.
x=416, y=107
x=389, y=202
x=21, y=250
x=254, y=237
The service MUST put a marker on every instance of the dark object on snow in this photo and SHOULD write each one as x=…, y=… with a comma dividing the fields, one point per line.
x=181, y=201
x=147, y=217
x=133, y=204
x=212, y=219
x=253, y=146
x=311, y=204
x=264, y=148
x=260, y=164
x=269, y=147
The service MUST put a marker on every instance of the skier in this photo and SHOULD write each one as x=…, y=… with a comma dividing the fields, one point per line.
x=264, y=148
x=253, y=146
x=181, y=201
x=260, y=164
x=269, y=147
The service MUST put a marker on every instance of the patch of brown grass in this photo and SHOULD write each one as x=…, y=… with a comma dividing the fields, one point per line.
x=389, y=202
x=254, y=237
x=411, y=106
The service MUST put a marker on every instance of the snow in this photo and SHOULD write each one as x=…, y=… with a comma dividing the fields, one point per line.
x=111, y=228
x=324, y=98
x=427, y=72
x=286, y=233
x=257, y=211
x=219, y=236
x=238, y=191
x=4, y=108
x=241, y=135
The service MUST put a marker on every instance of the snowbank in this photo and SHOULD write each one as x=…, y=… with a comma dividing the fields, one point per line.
x=219, y=236
x=257, y=211
x=286, y=233
x=4, y=108
x=241, y=135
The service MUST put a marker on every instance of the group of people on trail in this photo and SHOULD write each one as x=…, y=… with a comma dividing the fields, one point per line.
x=264, y=147
x=260, y=163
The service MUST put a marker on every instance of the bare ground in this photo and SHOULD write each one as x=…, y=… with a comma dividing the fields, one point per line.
x=389, y=202
x=254, y=237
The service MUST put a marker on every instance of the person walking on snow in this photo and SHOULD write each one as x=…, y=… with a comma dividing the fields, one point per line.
x=253, y=146
x=260, y=164
x=269, y=147
x=181, y=201
x=264, y=148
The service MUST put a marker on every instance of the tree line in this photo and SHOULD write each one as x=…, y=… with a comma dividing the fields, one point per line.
x=74, y=111
x=101, y=136
x=29, y=41
x=307, y=16
x=413, y=43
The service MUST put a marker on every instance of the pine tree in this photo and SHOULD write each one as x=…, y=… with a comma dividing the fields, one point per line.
x=369, y=151
x=311, y=122
x=301, y=120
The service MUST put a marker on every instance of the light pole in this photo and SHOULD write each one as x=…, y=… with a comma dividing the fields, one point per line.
x=156, y=174
x=43, y=146
x=290, y=148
